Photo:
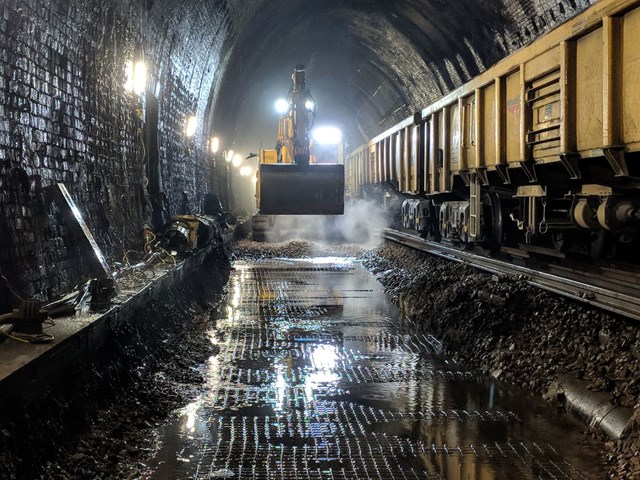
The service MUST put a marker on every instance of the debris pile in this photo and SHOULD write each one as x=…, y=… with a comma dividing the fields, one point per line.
x=517, y=333
x=250, y=250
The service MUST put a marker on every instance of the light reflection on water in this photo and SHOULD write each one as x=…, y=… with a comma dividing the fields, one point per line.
x=316, y=378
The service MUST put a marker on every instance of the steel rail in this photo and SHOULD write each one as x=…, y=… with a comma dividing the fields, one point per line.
x=568, y=285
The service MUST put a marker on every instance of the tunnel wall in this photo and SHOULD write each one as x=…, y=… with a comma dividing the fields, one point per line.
x=66, y=117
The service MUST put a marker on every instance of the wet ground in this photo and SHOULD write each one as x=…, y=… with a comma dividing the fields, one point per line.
x=320, y=377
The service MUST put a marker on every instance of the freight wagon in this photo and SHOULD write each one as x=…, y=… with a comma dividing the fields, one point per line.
x=540, y=151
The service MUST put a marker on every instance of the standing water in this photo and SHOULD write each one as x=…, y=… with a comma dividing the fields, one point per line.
x=317, y=378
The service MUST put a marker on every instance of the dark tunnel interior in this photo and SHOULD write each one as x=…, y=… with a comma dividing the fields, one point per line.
x=67, y=117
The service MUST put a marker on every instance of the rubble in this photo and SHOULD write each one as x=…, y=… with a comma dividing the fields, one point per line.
x=519, y=334
x=248, y=249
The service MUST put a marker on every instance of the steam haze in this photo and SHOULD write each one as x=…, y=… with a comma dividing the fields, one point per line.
x=361, y=223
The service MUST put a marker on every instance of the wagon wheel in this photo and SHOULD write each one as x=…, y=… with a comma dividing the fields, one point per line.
x=494, y=225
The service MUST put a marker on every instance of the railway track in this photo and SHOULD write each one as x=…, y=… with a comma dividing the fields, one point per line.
x=611, y=290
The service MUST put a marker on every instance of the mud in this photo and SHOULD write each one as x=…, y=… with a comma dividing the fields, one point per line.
x=519, y=334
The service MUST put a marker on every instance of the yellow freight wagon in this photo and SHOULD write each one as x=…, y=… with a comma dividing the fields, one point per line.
x=542, y=146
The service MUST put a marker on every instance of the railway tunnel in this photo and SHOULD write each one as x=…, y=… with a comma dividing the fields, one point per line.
x=145, y=334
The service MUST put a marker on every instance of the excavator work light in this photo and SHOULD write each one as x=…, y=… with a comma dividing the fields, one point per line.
x=327, y=135
x=282, y=106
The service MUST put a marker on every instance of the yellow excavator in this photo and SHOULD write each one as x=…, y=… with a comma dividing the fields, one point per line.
x=291, y=179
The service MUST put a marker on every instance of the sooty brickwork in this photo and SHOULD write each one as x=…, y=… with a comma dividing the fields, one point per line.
x=66, y=117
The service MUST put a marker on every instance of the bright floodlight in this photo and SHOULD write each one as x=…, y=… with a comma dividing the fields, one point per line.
x=246, y=171
x=282, y=106
x=135, y=77
x=309, y=104
x=229, y=156
x=237, y=160
x=192, y=126
x=139, y=77
x=215, y=144
x=327, y=135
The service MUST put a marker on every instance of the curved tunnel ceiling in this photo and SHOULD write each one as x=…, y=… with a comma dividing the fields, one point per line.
x=369, y=63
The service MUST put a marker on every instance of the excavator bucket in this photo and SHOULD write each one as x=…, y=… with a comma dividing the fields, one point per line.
x=292, y=189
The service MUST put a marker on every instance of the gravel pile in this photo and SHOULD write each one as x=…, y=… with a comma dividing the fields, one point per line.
x=248, y=249
x=518, y=334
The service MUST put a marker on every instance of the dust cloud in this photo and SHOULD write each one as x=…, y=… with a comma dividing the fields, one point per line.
x=362, y=223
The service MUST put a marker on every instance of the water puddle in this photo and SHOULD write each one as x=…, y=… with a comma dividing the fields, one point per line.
x=317, y=379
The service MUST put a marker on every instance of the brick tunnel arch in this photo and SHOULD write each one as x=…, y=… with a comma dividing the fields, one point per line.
x=373, y=63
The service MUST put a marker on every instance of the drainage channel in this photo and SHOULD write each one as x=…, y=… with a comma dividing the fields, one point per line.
x=317, y=378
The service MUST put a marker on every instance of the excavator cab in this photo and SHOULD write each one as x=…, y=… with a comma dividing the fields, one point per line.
x=291, y=179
